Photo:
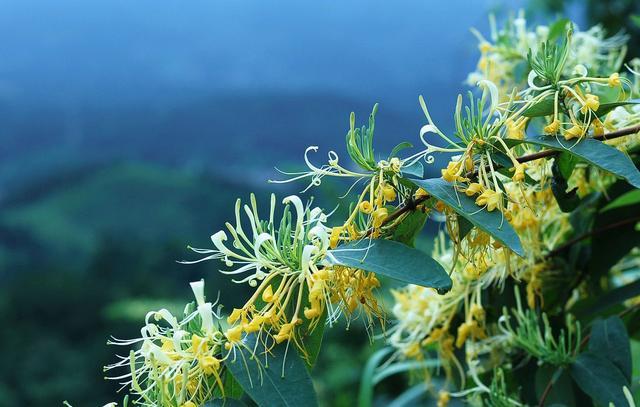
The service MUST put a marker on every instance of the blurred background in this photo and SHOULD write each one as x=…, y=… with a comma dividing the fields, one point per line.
x=128, y=129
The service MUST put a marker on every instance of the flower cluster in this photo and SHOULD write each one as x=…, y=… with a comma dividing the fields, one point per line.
x=295, y=289
x=179, y=363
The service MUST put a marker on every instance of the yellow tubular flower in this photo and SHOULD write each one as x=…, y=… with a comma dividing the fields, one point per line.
x=334, y=238
x=553, y=127
x=379, y=217
x=574, y=132
x=518, y=176
x=389, y=193
x=614, y=80
x=234, y=334
x=468, y=163
x=209, y=364
x=267, y=294
x=234, y=316
x=489, y=198
x=365, y=207
x=598, y=127
x=452, y=172
x=463, y=333
x=474, y=189
x=591, y=102
x=484, y=47
x=443, y=398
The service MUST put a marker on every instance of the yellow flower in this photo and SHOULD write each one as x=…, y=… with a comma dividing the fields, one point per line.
x=598, y=128
x=189, y=404
x=234, y=316
x=591, y=102
x=412, y=350
x=443, y=398
x=379, y=217
x=484, y=47
x=209, y=364
x=234, y=334
x=553, y=127
x=389, y=193
x=285, y=332
x=614, y=80
x=473, y=189
x=365, y=207
x=489, y=198
x=452, y=172
x=463, y=333
x=334, y=239
x=477, y=312
x=519, y=172
x=267, y=295
x=574, y=132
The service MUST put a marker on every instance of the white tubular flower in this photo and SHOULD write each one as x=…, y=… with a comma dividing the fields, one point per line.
x=173, y=351
x=297, y=203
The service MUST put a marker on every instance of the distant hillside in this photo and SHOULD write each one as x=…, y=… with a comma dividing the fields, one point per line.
x=66, y=218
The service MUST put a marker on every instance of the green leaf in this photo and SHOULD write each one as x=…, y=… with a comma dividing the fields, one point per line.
x=464, y=227
x=618, y=238
x=567, y=200
x=602, y=303
x=542, y=108
x=627, y=199
x=313, y=340
x=261, y=376
x=594, y=152
x=224, y=403
x=610, y=340
x=490, y=222
x=558, y=29
x=635, y=19
x=599, y=378
x=392, y=259
x=399, y=147
x=562, y=388
x=410, y=227
x=566, y=164
x=415, y=170
x=607, y=107
x=365, y=396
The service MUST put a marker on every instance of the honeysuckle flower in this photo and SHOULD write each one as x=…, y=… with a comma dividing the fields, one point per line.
x=177, y=361
x=285, y=264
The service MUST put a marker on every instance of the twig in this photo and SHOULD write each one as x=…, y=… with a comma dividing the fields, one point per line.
x=610, y=136
x=591, y=233
x=413, y=203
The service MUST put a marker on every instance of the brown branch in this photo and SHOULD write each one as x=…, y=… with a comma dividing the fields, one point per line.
x=413, y=203
x=609, y=136
x=591, y=233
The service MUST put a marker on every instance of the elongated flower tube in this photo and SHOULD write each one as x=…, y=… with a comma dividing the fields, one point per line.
x=284, y=264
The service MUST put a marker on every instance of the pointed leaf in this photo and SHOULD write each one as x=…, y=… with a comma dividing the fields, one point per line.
x=415, y=170
x=400, y=147
x=594, y=152
x=270, y=387
x=607, y=107
x=490, y=222
x=599, y=378
x=542, y=108
x=409, y=228
x=392, y=259
x=609, y=339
